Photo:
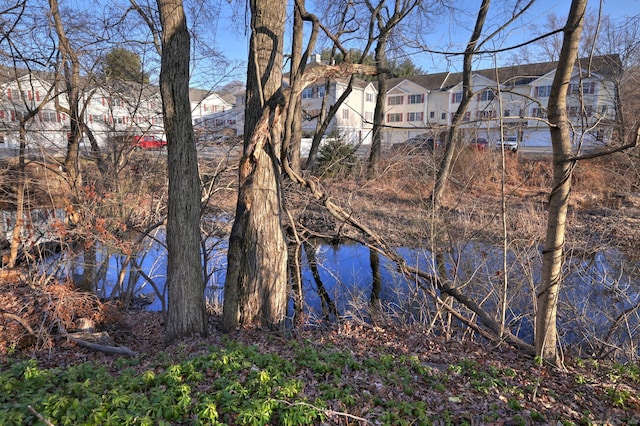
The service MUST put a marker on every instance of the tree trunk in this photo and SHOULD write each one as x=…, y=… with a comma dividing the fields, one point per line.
x=378, y=113
x=186, y=312
x=293, y=127
x=452, y=137
x=71, y=73
x=547, y=298
x=255, y=289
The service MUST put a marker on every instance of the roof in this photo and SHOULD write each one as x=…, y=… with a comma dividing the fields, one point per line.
x=606, y=65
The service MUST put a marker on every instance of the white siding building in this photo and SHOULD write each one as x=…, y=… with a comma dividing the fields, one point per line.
x=511, y=100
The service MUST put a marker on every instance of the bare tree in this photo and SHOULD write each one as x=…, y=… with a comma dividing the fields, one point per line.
x=70, y=64
x=385, y=23
x=186, y=313
x=547, y=298
x=467, y=93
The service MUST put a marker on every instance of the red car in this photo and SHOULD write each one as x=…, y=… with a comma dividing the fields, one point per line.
x=479, y=143
x=148, y=142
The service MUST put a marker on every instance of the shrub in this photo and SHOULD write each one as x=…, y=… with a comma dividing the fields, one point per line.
x=336, y=158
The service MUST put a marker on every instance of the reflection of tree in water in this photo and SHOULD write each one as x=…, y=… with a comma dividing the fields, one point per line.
x=328, y=306
x=376, y=285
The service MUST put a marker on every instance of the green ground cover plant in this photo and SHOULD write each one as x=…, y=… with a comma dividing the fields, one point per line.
x=305, y=383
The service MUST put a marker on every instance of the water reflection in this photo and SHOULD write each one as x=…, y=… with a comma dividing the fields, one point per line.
x=599, y=300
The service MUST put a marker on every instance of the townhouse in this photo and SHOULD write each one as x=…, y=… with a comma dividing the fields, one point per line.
x=507, y=101
x=353, y=122
x=110, y=111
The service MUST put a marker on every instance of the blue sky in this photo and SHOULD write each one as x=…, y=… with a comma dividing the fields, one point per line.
x=232, y=40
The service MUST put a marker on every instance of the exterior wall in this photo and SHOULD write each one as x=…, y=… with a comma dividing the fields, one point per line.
x=406, y=113
x=518, y=110
x=353, y=121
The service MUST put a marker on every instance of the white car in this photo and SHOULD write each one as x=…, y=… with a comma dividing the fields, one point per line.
x=509, y=143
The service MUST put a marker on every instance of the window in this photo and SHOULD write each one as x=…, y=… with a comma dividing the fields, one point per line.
x=219, y=122
x=231, y=122
x=574, y=89
x=507, y=113
x=96, y=118
x=416, y=99
x=600, y=135
x=370, y=97
x=9, y=93
x=588, y=110
x=48, y=116
x=1, y=138
x=467, y=116
x=456, y=98
x=486, y=95
x=486, y=114
x=542, y=91
x=394, y=118
x=313, y=92
x=443, y=116
x=573, y=111
x=16, y=115
x=539, y=113
x=589, y=88
x=415, y=116
x=432, y=114
x=1, y=114
x=368, y=116
x=395, y=100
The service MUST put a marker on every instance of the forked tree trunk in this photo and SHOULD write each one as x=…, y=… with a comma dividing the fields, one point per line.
x=255, y=290
x=547, y=298
x=186, y=312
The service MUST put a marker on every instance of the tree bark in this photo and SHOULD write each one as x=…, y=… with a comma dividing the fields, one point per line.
x=378, y=113
x=255, y=289
x=186, y=312
x=547, y=298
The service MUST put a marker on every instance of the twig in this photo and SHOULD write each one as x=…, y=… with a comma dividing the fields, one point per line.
x=39, y=416
x=326, y=411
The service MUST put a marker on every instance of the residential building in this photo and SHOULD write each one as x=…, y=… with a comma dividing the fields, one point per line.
x=109, y=111
x=353, y=121
x=507, y=101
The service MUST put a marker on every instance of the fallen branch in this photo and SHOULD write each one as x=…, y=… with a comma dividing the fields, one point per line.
x=20, y=320
x=112, y=350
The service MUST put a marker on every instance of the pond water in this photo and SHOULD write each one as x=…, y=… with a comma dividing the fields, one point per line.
x=600, y=294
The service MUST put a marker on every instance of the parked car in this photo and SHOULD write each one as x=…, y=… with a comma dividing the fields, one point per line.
x=415, y=145
x=479, y=143
x=509, y=143
x=148, y=142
